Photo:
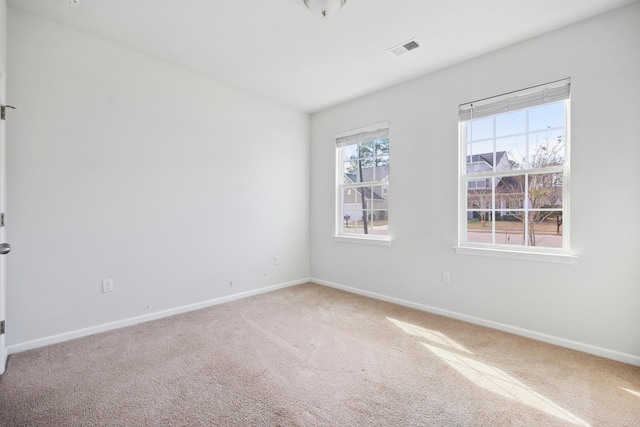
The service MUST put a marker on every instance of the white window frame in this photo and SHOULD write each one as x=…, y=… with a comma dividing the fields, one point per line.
x=382, y=131
x=491, y=107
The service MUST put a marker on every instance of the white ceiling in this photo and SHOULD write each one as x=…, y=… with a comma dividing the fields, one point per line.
x=278, y=49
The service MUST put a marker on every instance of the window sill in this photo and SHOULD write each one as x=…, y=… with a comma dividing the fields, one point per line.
x=363, y=240
x=557, y=258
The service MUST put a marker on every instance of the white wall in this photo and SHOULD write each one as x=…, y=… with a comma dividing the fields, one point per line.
x=127, y=168
x=594, y=304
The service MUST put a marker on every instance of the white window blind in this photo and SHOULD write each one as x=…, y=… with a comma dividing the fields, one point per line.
x=513, y=101
x=362, y=136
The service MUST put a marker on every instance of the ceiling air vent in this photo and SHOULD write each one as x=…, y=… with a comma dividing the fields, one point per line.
x=404, y=47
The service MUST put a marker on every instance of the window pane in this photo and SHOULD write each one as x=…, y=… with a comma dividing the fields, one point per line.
x=350, y=173
x=480, y=129
x=367, y=154
x=479, y=145
x=349, y=198
x=545, y=191
x=548, y=131
x=350, y=152
x=547, y=116
x=368, y=173
x=379, y=197
x=546, y=148
x=478, y=199
x=511, y=153
x=510, y=228
x=351, y=209
x=479, y=226
x=547, y=233
x=382, y=147
x=544, y=230
x=382, y=161
x=378, y=222
x=510, y=191
x=511, y=123
x=480, y=161
x=350, y=164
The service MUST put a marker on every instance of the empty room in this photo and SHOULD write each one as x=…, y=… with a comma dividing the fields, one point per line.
x=319, y=213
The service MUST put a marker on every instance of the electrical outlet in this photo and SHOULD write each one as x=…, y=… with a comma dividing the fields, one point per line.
x=446, y=277
x=107, y=285
x=277, y=260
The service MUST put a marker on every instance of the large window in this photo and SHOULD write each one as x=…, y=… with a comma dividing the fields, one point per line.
x=363, y=183
x=514, y=170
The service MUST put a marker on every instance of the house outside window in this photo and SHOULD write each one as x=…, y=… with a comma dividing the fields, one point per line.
x=362, y=195
x=514, y=171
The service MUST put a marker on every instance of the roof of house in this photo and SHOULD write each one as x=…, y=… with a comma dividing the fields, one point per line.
x=487, y=157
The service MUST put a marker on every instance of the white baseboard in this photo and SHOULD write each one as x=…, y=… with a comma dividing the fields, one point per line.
x=3, y=359
x=54, y=339
x=562, y=342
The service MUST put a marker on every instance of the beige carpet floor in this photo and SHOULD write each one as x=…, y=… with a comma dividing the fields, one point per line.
x=314, y=356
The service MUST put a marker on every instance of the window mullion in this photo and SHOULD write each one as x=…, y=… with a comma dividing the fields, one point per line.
x=514, y=172
x=494, y=145
x=360, y=184
x=493, y=210
x=527, y=140
x=515, y=134
x=526, y=206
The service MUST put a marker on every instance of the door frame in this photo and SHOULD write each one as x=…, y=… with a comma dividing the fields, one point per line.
x=3, y=204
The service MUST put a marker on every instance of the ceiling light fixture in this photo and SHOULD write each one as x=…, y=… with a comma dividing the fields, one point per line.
x=324, y=8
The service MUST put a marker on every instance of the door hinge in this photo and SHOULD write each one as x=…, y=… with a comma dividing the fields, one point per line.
x=2, y=219
x=2, y=328
x=3, y=111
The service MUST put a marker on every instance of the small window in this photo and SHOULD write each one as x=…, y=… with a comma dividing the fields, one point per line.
x=514, y=151
x=363, y=183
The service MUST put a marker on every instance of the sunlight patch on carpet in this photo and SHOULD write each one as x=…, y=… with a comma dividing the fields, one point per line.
x=635, y=393
x=486, y=376
x=429, y=335
x=503, y=384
